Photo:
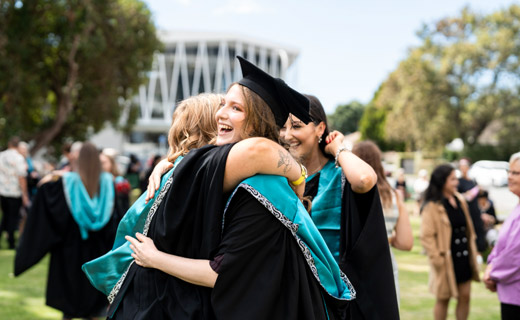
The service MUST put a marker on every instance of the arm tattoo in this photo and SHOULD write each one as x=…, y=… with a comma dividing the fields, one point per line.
x=285, y=160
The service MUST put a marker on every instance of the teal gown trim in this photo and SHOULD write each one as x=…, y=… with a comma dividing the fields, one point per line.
x=326, y=205
x=275, y=194
x=108, y=272
x=91, y=214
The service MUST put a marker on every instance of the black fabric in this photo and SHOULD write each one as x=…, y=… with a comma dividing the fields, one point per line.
x=187, y=223
x=474, y=211
x=365, y=256
x=280, y=98
x=50, y=228
x=459, y=241
x=311, y=187
x=10, y=217
x=264, y=265
x=509, y=311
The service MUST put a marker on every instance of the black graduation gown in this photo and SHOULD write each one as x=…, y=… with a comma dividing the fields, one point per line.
x=364, y=253
x=260, y=259
x=50, y=228
x=187, y=223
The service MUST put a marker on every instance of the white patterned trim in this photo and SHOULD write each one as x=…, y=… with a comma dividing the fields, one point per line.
x=156, y=204
x=293, y=227
x=117, y=287
x=151, y=213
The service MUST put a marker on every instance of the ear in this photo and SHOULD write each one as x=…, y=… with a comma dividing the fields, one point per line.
x=320, y=129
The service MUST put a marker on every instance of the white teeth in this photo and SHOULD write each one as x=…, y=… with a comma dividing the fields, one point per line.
x=225, y=127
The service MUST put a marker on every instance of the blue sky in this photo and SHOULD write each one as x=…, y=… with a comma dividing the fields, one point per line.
x=347, y=48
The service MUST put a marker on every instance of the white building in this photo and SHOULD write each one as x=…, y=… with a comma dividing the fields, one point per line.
x=191, y=63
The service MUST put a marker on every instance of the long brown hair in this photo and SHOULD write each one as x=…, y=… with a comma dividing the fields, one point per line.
x=89, y=167
x=369, y=152
x=260, y=121
x=193, y=124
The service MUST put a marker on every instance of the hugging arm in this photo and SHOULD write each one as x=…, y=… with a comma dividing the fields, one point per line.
x=259, y=156
x=195, y=271
x=246, y=158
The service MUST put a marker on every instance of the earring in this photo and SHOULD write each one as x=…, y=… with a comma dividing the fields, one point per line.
x=319, y=140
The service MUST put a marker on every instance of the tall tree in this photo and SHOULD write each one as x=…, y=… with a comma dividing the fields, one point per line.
x=66, y=64
x=464, y=76
x=346, y=117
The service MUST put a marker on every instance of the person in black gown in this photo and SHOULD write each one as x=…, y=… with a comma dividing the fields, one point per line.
x=65, y=222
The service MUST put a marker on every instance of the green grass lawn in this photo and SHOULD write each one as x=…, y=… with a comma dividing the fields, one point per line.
x=23, y=297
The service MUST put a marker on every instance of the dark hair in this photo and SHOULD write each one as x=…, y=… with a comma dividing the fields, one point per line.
x=369, y=152
x=13, y=142
x=437, y=182
x=65, y=148
x=483, y=194
x=318, y=115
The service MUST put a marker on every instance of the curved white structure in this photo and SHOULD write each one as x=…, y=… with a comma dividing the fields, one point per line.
x=194, y=62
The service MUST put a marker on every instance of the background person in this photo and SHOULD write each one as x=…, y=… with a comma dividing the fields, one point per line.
x=397, y=222
x=448, y=238
x=109, y=164
x=469, y=189
x=400, y=183
x=503, y=271
x=74, y=219
x=488, y=216
x=419, y=186
x=13, y=189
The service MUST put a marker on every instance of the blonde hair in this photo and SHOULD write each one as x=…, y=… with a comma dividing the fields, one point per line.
x=514, y=158
x=193, y=124
x=113, y=164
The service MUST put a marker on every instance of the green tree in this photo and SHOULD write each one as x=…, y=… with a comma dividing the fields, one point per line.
x=464, y=76
x=346, y=117
x=67, y=64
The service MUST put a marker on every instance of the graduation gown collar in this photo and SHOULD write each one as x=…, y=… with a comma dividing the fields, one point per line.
x=275, y=194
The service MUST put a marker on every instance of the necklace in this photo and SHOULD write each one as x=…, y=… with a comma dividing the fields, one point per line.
x=320, y=166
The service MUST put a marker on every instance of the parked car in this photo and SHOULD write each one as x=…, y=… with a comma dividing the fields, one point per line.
x=487, y=172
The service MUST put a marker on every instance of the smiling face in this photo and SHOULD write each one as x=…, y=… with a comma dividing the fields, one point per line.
x=231, y=117
x=450, y=187
x=302, y=139
x=513, y=177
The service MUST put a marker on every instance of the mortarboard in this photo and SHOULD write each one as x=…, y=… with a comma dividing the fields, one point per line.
x=281, y=98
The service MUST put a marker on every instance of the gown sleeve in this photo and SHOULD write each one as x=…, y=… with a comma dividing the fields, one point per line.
x=365, y=255
x=44, y=226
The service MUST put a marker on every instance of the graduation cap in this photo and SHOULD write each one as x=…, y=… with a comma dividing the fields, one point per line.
x=281, y=98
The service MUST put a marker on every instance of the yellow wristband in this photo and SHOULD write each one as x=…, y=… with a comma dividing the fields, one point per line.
x=302, y=178
x=298, y=182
